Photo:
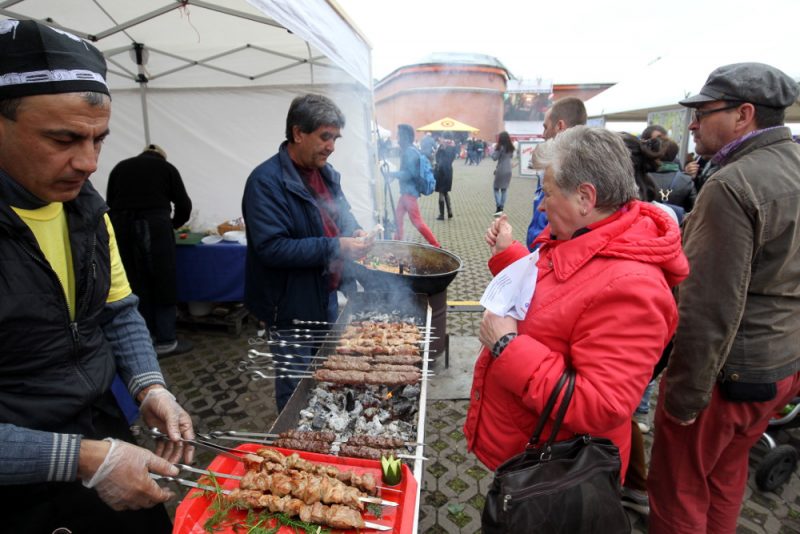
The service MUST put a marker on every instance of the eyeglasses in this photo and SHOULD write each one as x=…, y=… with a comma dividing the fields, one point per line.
x=697, y=114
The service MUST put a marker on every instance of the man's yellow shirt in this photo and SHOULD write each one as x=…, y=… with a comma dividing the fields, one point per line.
x=49, y=226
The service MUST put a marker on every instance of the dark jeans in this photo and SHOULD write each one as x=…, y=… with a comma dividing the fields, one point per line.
x=301, y=358
x=160, y=319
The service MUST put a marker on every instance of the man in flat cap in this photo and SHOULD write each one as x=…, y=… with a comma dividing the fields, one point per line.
x=68, y=319
x=735, y=359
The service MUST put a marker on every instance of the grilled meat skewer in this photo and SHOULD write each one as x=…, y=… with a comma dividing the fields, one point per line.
x=335, y=516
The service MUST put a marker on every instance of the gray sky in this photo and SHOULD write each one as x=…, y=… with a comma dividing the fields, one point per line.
x=572, y=41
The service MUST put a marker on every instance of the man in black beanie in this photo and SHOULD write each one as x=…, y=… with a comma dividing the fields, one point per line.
x=68, y=319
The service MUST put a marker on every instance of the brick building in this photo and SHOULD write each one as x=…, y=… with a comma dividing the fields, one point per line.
x=469, y=88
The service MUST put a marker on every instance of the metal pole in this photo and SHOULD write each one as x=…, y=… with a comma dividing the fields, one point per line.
x=141, y=78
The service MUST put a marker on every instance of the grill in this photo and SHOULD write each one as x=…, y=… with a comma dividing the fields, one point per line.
x=363, y=306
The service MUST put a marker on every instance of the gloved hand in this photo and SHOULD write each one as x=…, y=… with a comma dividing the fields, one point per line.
x=123, y=482
x=159, y=409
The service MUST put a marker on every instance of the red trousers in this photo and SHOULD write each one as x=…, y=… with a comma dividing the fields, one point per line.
x=698, y=472
x=408, y=204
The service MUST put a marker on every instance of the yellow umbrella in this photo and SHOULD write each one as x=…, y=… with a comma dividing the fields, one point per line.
x=447, y=125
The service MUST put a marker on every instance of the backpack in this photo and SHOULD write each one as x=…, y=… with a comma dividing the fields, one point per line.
x=425, y=180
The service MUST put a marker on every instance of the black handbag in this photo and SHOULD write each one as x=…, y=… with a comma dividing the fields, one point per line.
x=568, y=487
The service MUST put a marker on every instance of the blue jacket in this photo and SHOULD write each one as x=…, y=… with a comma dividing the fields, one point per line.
x=538, y=221
x=288, y=255
x=409, y=171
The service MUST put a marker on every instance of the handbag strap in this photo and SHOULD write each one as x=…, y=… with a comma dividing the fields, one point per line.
x=548, y=408
x=562, y=410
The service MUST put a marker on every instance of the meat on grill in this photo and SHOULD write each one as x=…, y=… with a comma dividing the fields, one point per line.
x=335, y=515
x=308, y=434
x=394, y=367
x=388, y=378
x=362, y=365
x=379, y=442
x=323, y=447
x=371, y=350
x=364, y=451
x=399, y=359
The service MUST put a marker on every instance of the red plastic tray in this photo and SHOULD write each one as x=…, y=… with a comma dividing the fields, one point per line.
x=193, y=511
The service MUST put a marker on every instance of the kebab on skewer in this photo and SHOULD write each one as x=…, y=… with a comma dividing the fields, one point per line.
x=271, y=460
x=307, y=487
x=335, y=515
x=389, y=378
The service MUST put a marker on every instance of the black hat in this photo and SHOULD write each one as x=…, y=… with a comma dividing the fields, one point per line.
x=756, y=83
x=40, y=60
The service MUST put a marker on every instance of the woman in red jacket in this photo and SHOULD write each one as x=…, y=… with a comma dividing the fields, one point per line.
x=602, y=303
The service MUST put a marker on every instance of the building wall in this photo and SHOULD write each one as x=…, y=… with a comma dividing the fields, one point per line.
x=419, y=95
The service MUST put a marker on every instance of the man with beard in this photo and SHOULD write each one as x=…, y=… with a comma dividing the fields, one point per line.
x=300, y=231
x=734, y=360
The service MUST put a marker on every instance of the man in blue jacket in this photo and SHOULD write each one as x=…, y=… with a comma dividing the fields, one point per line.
x=300, y=230
x=565, y=113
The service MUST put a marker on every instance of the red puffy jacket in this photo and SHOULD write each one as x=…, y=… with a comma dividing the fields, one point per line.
x=602, y=303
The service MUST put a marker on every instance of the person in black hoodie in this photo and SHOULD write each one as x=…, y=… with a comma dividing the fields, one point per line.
x=141, y=194
x=672, y=185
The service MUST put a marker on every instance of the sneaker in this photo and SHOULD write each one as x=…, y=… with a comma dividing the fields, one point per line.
x=440, y=218
x=179, y=346
x=643, y=420
x=636, y=500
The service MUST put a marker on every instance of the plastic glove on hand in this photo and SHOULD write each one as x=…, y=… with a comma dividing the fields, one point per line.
x=123, y=479
x=160, y=409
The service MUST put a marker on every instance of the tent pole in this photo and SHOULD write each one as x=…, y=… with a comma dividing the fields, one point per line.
x=141, y=78
x=145, y=119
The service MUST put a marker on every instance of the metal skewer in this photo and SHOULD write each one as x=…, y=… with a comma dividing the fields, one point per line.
x=253, y=354
x=205, y=472
x=189, y=483
x=268, y=439
x=325, y=323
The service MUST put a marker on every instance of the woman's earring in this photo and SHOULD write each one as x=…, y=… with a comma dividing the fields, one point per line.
x=583, y=212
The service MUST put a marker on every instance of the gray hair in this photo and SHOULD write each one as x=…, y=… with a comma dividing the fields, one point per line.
x=591, y=155
x=310, y=112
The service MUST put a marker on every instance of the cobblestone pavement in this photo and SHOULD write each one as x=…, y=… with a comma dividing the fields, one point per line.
x=218, y=396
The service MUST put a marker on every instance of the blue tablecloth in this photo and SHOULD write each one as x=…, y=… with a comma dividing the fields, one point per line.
x=211, y=273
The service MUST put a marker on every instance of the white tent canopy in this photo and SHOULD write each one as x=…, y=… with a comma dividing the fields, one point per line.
x=220, y=75
x=660, y=85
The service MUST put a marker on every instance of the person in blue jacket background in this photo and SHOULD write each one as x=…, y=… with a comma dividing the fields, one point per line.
x=565, y=113
x=300, y=230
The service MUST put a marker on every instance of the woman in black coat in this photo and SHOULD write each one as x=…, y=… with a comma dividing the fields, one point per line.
x=445, y=156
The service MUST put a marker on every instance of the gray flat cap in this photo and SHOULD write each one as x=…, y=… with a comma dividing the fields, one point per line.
x=756, y=83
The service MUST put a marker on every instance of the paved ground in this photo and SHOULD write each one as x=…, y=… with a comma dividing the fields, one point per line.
x=220, y=397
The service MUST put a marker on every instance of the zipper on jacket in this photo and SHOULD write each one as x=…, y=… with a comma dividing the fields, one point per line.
x=72, y=326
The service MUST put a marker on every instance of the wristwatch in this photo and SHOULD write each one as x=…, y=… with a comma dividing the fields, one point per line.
x=502, y=343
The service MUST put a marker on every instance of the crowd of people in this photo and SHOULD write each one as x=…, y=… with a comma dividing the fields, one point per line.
x=646, y=266
x=611, y=255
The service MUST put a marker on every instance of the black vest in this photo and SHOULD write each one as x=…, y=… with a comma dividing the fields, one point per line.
x=53, y=369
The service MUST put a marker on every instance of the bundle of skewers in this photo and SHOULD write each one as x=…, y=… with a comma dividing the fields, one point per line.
x=364, y=352
x=316, y=493
x=320, y=494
